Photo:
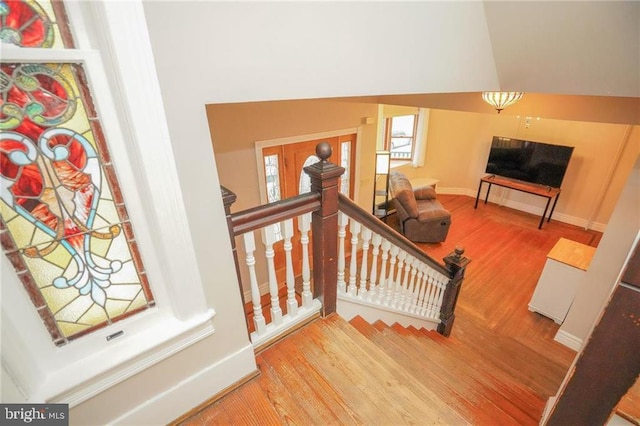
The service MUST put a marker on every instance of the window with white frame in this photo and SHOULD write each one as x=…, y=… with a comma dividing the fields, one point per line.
x=65, y=178
x=400, y=136
x=67, y=231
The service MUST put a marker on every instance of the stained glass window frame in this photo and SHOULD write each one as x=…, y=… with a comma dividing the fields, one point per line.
x=113, y=40
x=15, y=253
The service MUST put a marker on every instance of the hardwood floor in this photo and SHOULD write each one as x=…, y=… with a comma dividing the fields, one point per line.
x=499, y=366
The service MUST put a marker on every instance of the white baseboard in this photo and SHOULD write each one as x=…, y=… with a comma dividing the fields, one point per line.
x=569, y=340
x=527, y=208
x=192, y=391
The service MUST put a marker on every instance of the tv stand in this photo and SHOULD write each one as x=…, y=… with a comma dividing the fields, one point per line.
x=530, y=188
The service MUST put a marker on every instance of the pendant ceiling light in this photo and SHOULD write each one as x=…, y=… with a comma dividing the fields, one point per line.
x=501, y=100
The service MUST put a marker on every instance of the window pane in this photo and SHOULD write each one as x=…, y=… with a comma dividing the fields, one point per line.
x=272, y=175
x=40, y=24
x=401, y=143
x=65, y=227
x=345, y=161
x=402, y=125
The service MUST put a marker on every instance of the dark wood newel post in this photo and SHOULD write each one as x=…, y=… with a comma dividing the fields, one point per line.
x=228, y=198
x=457, y=264
x=324, y=227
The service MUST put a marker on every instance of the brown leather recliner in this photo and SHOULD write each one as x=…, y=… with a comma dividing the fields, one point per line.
x=421, y=217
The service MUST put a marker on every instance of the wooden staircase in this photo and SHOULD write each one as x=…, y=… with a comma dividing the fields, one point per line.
x=471, y=375
x=338, y=372
x=498, y=367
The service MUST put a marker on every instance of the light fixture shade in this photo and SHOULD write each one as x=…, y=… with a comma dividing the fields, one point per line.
x=501, y=100
x=383, y=162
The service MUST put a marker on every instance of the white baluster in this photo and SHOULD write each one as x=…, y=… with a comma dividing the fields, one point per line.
x=373, y=285
x=393, y=258
x=420, y=287
x=269, y=238
x=354, y=227
x=386, y=245
x=304, y=225
x=258, y=318
x=343, y=220
x=428, y=298
x=366, y=237
x=292, y=303
x=399, y=284
x=411, y=287
x=433, y=297
x=438, y=303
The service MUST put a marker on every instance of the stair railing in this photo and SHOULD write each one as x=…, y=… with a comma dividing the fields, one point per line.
x=386, y=271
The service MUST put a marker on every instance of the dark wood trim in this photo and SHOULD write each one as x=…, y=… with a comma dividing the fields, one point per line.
x=268, y=214
x=324, y=227
x=457, y=264
x=351, y=209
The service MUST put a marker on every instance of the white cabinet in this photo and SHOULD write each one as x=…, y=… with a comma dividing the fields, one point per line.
x=566, y=265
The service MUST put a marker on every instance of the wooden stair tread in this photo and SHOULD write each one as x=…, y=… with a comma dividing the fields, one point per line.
x=479, y=390
x=370, y=374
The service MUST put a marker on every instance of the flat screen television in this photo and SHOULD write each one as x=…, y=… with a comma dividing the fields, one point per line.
x=533, y=162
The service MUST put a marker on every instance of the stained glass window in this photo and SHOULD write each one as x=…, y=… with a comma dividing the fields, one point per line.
x=34, y=24
x=64, y=225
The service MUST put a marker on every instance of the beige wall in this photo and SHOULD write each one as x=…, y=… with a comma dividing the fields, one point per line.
x=457, y=149
x=459, y=142
x=235, y=128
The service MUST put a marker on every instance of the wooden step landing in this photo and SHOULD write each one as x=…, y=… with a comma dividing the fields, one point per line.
x=329, y=373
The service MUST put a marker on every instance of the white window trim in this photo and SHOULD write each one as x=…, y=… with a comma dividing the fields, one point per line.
x=420, y=138
x=134, y=124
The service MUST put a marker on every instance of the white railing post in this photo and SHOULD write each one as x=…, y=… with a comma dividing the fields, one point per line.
x=397, y=284
x=292, y=303
x=366, y=237
x=386, y=245
x=392, y=268
x=433, y=296
x=304, y=225
x=373, y=285
x=269, y=238
x=419, y=290
x=258, y=318
x=354, y=227
x=409, y=300
x=402, y=291
x=343, y=220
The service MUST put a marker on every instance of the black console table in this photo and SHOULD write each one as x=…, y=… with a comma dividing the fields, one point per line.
x=530, y=188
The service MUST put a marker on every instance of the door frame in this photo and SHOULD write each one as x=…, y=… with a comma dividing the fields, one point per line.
x=260, y=145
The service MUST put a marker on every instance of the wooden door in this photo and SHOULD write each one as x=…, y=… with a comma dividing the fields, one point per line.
x=291, y=159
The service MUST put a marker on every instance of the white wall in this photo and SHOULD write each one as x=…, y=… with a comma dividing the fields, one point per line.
x=221, y=52
x=216, y=52
x=566, y=47
x=607, y=262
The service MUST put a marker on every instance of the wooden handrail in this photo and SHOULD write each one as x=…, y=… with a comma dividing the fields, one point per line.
x=268, y=214
x=325, y=201
x=350, y=208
